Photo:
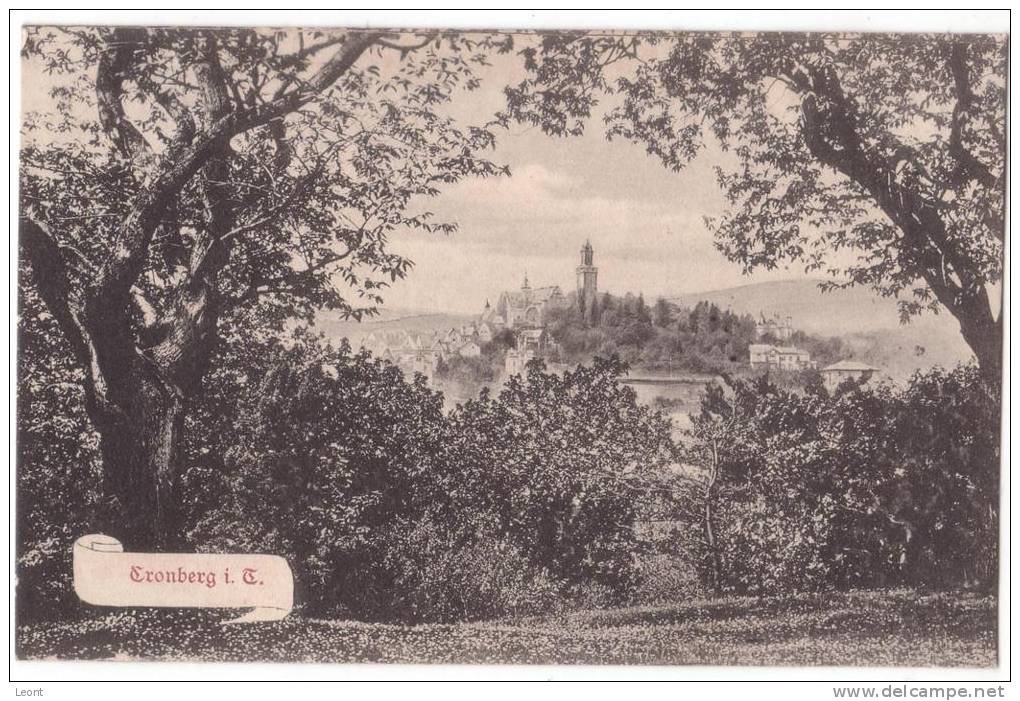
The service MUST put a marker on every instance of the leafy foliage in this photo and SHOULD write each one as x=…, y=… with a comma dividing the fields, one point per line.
x=667, y=336
x=390, y=509
x=317, y=193
x=556, y=461
x=57, y=458
x=869, y=486
x=328, y=450
x=464, y=571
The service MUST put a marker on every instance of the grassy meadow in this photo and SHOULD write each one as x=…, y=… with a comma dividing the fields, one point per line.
x=888, y=628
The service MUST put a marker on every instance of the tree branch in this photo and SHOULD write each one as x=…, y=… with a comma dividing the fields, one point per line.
x=179, y=113
x=144, y=307
x=114, y=61
x=830, y=135
x=352, y=49
x=970, y=166
x=300, y=187
x=182, y=163
x=405, y=49
x=42, y=252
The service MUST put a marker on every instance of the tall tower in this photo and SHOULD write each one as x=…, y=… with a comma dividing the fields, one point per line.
x=587, y=282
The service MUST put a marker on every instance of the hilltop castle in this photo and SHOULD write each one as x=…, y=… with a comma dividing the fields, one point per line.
x=528, y=307
x=769, y=353
x=525, y=308
x=778, y=328
x=526, y=311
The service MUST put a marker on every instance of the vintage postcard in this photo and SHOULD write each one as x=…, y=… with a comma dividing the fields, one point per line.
x=564, y=347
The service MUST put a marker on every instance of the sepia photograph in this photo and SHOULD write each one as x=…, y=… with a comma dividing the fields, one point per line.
x=466, y=346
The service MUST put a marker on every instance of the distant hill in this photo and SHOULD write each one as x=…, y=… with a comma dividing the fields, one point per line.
x=834, y=313
x=869, y=324
x=395, y=319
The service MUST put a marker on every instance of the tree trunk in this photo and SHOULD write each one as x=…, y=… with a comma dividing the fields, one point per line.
x=141, y=451
x=142, y=447
x=983, y=333
x=135, y=395
x=713, y=548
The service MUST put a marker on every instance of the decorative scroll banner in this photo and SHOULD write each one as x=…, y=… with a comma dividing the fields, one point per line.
x=105, y=575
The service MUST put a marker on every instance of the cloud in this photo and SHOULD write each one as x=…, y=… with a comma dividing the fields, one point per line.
x=545, y=213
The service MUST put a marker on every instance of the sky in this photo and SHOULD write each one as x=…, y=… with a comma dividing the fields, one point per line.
x=644, y=222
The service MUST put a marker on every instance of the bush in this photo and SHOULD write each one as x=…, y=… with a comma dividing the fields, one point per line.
x=771, y=549
x=551, y=459
x=57, y=466
x=328, y=449
x=870, y=486
x=665, y=578
x=390, y=510
x=444, y=575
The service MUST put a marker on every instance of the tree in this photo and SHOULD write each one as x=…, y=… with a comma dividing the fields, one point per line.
x=716, y=426
x=662, y=314
x=192, y=183
x=889, y=147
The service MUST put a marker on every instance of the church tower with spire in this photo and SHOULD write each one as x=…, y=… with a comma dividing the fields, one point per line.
x=587, y=282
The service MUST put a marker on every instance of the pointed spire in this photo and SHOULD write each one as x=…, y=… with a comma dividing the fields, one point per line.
x=525, y=285
x=587, y=253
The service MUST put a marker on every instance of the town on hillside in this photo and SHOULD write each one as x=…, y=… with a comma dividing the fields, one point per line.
x=544, y=322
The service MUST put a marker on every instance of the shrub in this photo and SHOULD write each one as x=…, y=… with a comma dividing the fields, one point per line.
x=770, y=549
x=869, y=486
x=390, y=510
x=57, y=466
x=552, y=459
x=457, y=575
x=329, y=447
x=664, y=578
